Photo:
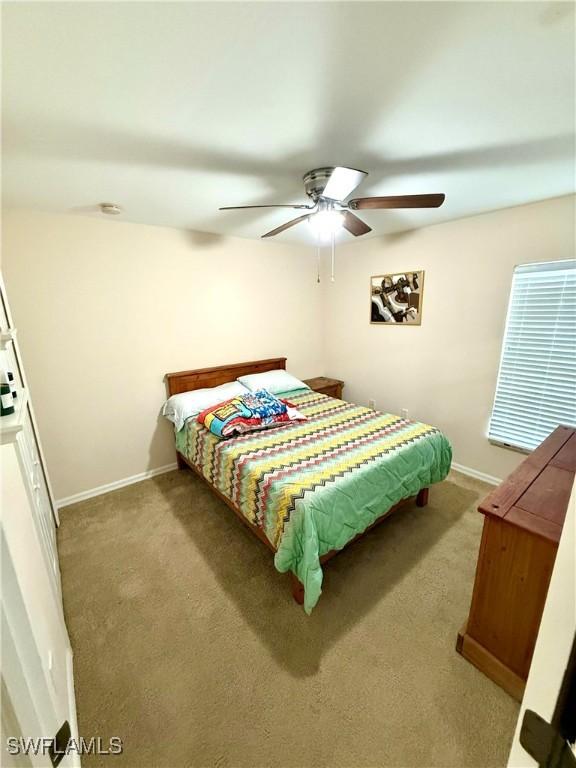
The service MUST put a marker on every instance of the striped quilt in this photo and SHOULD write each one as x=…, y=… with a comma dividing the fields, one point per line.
x=314, y=485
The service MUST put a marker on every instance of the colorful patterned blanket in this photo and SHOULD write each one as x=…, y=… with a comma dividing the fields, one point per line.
x=248, y=413
x=312, y=486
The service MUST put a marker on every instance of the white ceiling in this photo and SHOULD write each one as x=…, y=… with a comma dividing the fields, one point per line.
x=173, y=109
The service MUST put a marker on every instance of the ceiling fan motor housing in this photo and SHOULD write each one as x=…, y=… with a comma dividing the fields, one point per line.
x=315, y=181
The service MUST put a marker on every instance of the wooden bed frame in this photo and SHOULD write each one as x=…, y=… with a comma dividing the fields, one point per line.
x=186, y=381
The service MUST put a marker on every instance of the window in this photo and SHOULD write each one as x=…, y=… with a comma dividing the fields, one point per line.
x=536, y=388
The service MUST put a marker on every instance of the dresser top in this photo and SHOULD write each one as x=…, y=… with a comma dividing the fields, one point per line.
x=535, y=496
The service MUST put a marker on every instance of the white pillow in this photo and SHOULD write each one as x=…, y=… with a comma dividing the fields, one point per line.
x=274, y=381
x=179, y=408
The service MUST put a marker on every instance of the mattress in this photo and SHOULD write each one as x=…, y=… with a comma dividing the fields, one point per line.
x=312, y=486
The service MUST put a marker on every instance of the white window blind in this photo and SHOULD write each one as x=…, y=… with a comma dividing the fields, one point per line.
x=536, y=389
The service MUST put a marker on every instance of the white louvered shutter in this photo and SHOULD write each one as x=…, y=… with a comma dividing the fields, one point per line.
x=536, y=389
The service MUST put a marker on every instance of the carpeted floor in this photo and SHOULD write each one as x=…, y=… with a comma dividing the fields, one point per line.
x=188, y=645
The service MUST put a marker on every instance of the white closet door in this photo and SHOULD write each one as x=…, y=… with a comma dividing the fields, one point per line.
x=39, y=501
x=36, y=674
x=11, y=357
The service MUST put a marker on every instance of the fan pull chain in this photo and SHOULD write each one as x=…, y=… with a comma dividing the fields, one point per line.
x=333, y=250
x=318, y=262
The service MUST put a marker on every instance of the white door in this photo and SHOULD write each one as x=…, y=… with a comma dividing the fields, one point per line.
x=36, y=671
x=553, y=648
x=32, y=705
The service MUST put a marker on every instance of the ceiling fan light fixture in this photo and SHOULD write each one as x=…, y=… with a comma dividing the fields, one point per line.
x=328, y=188
x=326, y=223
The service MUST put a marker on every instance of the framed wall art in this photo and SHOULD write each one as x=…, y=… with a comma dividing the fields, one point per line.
x=396, y=299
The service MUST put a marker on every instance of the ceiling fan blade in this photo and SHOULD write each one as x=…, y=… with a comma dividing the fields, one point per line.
x=288, y=224
x=342, y=182
x=238, y=207
x=354, y=225
x=397, y=201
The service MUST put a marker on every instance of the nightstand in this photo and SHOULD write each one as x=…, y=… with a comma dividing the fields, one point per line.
x=331, y=387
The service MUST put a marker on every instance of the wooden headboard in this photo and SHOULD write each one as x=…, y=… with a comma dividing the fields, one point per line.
x=185, y=381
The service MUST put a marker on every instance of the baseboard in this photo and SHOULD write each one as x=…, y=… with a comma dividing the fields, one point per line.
x=476, y=474
x=83, y=495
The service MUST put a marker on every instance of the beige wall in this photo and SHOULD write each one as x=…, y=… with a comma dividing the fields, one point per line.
x=104, y=309
x=444, y=371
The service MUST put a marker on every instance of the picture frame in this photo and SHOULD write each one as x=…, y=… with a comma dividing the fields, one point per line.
x=396, y=298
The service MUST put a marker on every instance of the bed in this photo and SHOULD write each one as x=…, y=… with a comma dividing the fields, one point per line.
x=310, y=488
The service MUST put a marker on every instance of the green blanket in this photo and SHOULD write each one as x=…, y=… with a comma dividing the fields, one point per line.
x=314, y=485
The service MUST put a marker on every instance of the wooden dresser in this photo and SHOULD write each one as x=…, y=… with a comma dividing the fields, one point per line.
x=523, y=520
x=326, y=386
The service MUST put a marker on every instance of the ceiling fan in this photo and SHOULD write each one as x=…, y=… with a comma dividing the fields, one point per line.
x=328, y=188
